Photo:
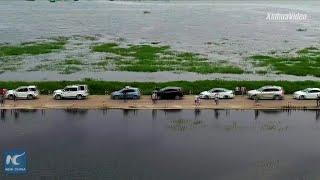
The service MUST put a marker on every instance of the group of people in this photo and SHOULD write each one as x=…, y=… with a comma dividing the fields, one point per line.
x=197, y=100
x=240, y=90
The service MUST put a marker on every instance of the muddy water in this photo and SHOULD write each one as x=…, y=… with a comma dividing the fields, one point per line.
x=146, y=144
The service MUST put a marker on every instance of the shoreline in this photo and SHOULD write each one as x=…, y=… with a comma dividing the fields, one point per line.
x=104, y=102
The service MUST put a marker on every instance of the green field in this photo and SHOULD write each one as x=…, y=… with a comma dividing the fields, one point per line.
x=99, y=87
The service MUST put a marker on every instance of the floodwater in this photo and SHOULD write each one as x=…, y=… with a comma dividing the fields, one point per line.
x=221, y=30
x=163, y=144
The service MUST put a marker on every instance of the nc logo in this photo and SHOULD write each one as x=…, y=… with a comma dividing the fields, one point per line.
x=15, y=162
x=13, y=159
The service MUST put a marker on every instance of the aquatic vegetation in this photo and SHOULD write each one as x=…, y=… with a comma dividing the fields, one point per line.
x=31, y=48
x=70, y=69
x=151, y=58
x=10, y=64
x=195, y=87
x=305, y=62
x=72, y=62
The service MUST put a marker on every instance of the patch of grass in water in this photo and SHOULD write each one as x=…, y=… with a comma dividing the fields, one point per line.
x=31, y=48
x=151, y=58
x=306, y=62
x=70, y=69
x=72, y=62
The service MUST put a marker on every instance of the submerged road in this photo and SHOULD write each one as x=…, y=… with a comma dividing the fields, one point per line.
x=102, y=102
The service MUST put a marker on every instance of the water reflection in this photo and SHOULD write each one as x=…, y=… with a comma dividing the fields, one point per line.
x=154, y=114
x=317, y=115
x=76, y=111
x=160, y=142
x=256, y=114
x=127, y=112
x=216, y=113
x=3, y=114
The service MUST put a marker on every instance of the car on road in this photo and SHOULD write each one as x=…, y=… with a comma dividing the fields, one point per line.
x=309, y=93
x=126, y=93
x=267, y=92
x=169, y=93
x=72, y=92
x=23, y=92
x=222, y=93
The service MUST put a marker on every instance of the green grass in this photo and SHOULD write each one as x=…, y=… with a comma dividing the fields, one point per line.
x=99, y=87
x=70, y=69
x=32, y=48
x=152, y=58
x=72, y=62
x=306, y=62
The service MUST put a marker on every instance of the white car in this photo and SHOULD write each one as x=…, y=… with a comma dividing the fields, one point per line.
x=267, y=92
x=309, y=93
x=71, y=92
x=23, y=92
x=222, y=93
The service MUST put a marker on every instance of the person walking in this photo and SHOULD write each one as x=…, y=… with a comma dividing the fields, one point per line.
x=197, y=100
x=154, y=97
x=2, y=96
x=14, y=97
x=216, y=99
x=1, y=100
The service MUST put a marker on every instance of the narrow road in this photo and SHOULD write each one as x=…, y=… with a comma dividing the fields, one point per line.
x=101, y=102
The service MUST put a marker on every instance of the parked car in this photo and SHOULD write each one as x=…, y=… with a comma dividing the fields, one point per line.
x=267, y=92
x=23, y=92
x=126, y=93
x=222, y=93
x=309, y=93
x=72, y=92
x=169, y=93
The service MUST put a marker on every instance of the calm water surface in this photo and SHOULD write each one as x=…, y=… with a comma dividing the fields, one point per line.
x=157, y=144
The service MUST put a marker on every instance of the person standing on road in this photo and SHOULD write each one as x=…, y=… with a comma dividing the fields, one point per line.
x=197, y=100
x=318, y=100
x=14, y=97
x=154, y=97
x=125, y=95
x=2, y=96
x=256, y=99
x=2, y=99
x=216, y=99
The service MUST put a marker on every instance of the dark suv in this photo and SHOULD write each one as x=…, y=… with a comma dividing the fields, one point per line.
x=169, y=93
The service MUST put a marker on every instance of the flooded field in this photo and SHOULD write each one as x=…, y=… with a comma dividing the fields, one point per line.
x=225, y=34
x=163, y=144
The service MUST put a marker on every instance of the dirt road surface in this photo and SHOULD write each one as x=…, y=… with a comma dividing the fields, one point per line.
x=104, y=102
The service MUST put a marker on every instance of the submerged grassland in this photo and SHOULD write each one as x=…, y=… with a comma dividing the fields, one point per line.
x=67, y=55
x=11, y=56
x=152, y=58
x=33, y=48
x=304, y=62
